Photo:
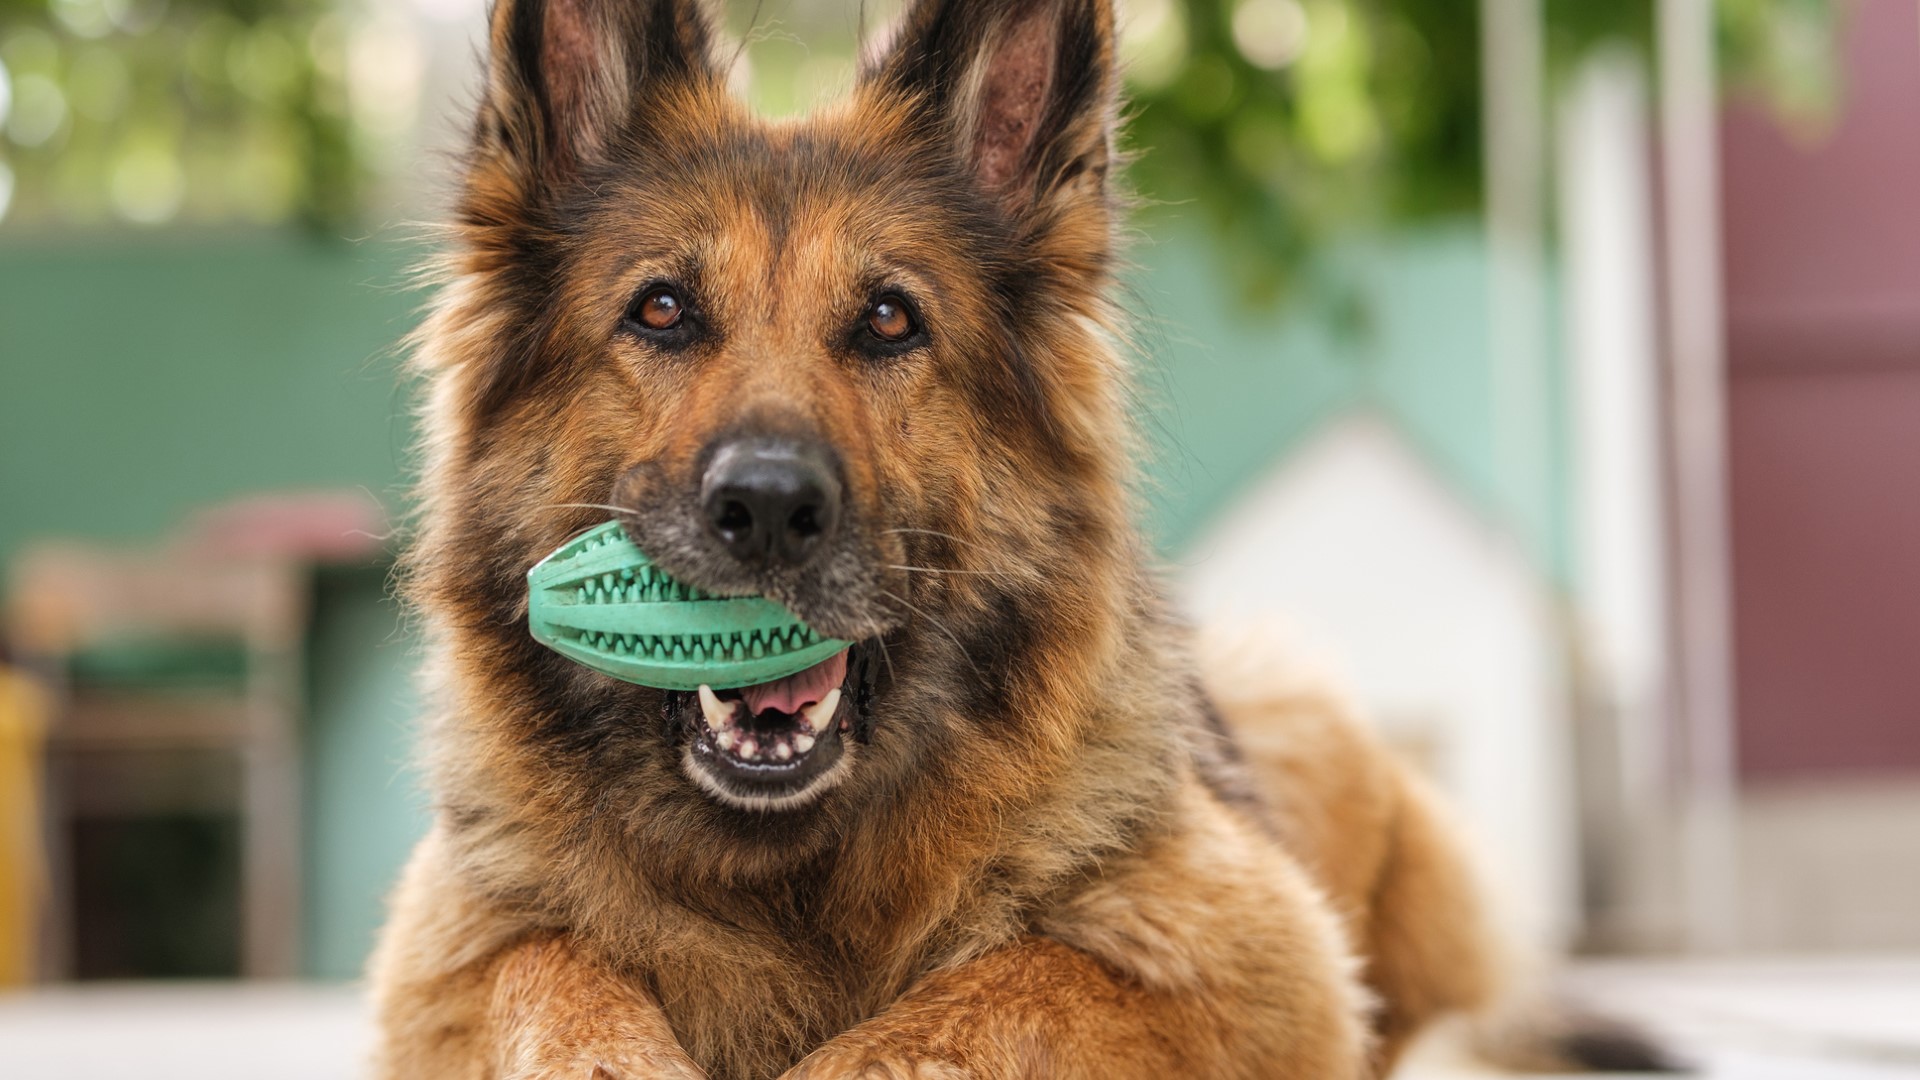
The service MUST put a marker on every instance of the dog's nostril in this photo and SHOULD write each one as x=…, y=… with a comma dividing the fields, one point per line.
x=734, y=517
x=804, y=522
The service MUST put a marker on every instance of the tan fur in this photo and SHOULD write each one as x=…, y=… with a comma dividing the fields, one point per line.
x=1364, y=858
x=1043, y=861
x=1371, y=832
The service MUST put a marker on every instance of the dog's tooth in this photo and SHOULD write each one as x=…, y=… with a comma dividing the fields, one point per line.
x=719, y=713
x=820, y=713
x=803, y=742
x=782, y=751
x=726, y=739
x=748, y=747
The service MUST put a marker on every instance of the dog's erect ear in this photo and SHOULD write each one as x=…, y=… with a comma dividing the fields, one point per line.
x=566, y=76
x=1025, y=89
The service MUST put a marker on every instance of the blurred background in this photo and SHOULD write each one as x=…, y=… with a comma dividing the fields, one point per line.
x=1549, y=370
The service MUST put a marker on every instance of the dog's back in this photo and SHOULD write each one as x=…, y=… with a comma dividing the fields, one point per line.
x=1381, y=843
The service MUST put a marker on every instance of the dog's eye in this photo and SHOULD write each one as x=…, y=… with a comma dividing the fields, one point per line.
x=889, y=319
x=659, y=309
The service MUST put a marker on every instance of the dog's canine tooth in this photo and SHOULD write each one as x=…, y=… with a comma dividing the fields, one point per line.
x=726, y=739
x=820, y=714
x=803, y=742
x=719, y=713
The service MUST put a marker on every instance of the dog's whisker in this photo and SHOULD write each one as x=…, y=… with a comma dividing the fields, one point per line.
x=938, y=534
x=885, y=656
x=937, y=625
x=589, y=506
x=1002, y=574
x=578, y=533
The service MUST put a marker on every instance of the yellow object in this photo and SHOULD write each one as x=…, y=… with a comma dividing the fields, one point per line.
x=23, y=726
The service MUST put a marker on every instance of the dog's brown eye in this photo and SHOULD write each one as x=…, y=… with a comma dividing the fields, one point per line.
x=658, y=310
x=889, y=319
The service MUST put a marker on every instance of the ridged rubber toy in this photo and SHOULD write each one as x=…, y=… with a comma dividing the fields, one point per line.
x=601, y=602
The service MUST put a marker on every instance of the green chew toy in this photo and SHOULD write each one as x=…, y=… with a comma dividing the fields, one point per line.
x=600, y=602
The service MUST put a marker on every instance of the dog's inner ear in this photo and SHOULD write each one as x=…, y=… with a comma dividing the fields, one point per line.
x=1013, y=97
x=569, y=63
x=1025, y=89
x=566, y=74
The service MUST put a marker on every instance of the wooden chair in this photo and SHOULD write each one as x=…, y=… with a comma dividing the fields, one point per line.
x=69, y=602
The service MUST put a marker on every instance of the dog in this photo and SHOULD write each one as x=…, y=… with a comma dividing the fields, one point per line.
x=868, y=364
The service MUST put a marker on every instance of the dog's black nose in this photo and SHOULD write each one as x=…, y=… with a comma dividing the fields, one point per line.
x=772, y=500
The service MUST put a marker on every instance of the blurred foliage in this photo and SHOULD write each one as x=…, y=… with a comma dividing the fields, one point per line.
x=150, y=111
x=1280, y=122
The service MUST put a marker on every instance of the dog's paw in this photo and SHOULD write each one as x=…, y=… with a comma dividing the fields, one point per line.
x=850, y=1059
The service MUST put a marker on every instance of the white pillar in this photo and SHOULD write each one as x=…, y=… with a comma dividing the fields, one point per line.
x=1620, y=522
x=1689, y=137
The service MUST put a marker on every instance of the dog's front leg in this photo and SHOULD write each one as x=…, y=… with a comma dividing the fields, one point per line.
x=1040, y=1010
x=1206, y=953
x=1034, y=1009
x=555, y=1014
x=464, y=992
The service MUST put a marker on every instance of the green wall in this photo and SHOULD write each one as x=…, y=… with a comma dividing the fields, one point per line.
x=363, y=797
x=141, y=377
x=1401, y=328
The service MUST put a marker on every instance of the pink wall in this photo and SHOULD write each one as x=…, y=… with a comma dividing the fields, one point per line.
x=1823, y=320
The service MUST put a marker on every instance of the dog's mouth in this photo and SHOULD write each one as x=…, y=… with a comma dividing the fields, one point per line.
x=775, y=745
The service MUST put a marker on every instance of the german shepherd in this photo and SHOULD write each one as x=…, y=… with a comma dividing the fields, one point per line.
x=867, y=364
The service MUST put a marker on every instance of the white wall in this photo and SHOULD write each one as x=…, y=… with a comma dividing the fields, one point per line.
x=1438, y=626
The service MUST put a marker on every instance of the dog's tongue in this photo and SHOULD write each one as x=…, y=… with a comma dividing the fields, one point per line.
x=799, y=690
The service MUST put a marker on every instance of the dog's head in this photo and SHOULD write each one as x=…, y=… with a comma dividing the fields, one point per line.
x=855, y=363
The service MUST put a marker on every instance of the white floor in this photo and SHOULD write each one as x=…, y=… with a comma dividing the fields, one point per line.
x=1800, y=1019
x=1744, y=1020
x=211, y=1031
